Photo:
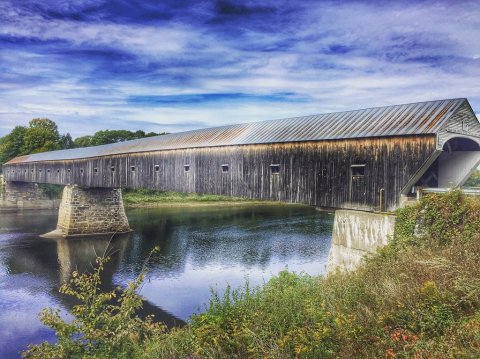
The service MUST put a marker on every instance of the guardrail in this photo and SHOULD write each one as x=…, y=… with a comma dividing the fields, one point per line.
x=474, y=191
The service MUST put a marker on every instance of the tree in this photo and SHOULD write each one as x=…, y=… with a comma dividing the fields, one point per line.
x=474, y=180
x=84, y=141
x=11, y=144
x=66, y=142
x=40, y=136
x=113, y=136
x=139, y=134
x=151, y=134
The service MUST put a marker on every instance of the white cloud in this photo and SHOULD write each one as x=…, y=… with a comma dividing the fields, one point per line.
x=391, y=54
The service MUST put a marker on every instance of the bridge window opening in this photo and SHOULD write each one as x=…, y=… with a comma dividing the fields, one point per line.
x=31, y=171
x=25, y=171
x=225, y=168
x=81, y=171
x=132, y=168
x=69, y=170
x=157, y=168
x=58, y=171
x=112, y=169
x=186, y=168
x=95, y=170
x=357, y=170
x=40, y=171
x=48, y=171
x=274, y=169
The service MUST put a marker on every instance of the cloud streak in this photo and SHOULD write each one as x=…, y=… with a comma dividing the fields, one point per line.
x=177, y=65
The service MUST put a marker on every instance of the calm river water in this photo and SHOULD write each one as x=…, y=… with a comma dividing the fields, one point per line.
x=201, y=248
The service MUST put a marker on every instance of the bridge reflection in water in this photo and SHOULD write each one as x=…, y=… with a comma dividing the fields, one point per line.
x=200, y=248
x=81, y=254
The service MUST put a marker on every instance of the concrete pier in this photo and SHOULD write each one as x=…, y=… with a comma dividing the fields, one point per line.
x=90, y=211
x=356, y=234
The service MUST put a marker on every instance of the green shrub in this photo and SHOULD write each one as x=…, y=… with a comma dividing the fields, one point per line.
x=105, y=325
x=419, y=297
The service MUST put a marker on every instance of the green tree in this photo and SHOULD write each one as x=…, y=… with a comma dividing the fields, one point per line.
x=41, y=136
x=66, y=142
x=151, y=134
x=112, y=136
x=84, y=141
x=474, y=180
x=11, y=144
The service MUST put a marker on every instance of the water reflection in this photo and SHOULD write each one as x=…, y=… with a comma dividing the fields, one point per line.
x=200, y=248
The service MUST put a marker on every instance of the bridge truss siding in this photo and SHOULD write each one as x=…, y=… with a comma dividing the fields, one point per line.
x=316, y=173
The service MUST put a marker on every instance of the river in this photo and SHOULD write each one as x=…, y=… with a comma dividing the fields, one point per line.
x=200, y=248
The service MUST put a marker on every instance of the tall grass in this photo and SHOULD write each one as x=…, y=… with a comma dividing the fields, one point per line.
x=418, y=297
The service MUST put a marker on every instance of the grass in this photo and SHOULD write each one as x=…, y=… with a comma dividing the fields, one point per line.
x=418, y=297
x=145, y=198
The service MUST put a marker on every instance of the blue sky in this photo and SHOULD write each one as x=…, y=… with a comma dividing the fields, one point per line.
x=175, y=65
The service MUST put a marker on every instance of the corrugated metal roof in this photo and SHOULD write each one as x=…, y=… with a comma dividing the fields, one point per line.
x=409, y=119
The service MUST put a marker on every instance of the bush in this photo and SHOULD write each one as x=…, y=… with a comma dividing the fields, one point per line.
x=419, y=297
x=105, y=325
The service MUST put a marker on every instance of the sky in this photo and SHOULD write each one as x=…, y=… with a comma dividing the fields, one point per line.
x=176, y=65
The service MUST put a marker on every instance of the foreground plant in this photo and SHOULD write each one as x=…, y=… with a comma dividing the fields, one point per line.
x=419, y=297
x=105, y=324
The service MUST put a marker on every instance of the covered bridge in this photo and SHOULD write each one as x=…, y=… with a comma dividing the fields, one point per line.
x=367, y=159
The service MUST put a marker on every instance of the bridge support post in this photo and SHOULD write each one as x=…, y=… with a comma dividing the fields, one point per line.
x=24, y=195
x=355, y=234
x=90, y=211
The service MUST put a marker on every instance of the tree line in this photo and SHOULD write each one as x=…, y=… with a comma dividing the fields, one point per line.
x=42, y=135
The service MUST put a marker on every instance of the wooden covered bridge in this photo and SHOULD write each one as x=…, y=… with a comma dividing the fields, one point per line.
x=370, y=159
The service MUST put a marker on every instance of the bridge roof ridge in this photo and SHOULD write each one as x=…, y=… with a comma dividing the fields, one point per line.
x=395, y=120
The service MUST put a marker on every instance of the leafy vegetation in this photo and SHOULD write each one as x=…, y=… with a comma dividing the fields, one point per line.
x=42, y=135
x=105, y=324
x=146, y=196
x=111, y=136
x=474, y=180
x=53, y=191
x=418, y=297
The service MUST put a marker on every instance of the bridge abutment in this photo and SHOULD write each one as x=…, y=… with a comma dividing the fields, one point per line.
x=356, y=234
x=25, y=195
x=90, y=211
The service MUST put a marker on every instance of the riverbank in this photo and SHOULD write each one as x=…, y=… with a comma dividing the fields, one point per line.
x=418, y=297
x=142, y=198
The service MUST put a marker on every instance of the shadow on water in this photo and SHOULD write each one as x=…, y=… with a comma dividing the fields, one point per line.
x=80, y=255
x=200, y=248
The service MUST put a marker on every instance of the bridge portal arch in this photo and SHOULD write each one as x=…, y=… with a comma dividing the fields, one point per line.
x=450, y=166
x=460, y=156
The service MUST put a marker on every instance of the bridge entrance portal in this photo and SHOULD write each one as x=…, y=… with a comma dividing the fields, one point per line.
x=459, y=157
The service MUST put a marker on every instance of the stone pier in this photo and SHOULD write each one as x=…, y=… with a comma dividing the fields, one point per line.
x=90, y=211
x=356, y=234
x=24, y=195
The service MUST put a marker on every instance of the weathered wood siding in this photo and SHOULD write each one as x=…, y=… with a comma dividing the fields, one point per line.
x=316, y=173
